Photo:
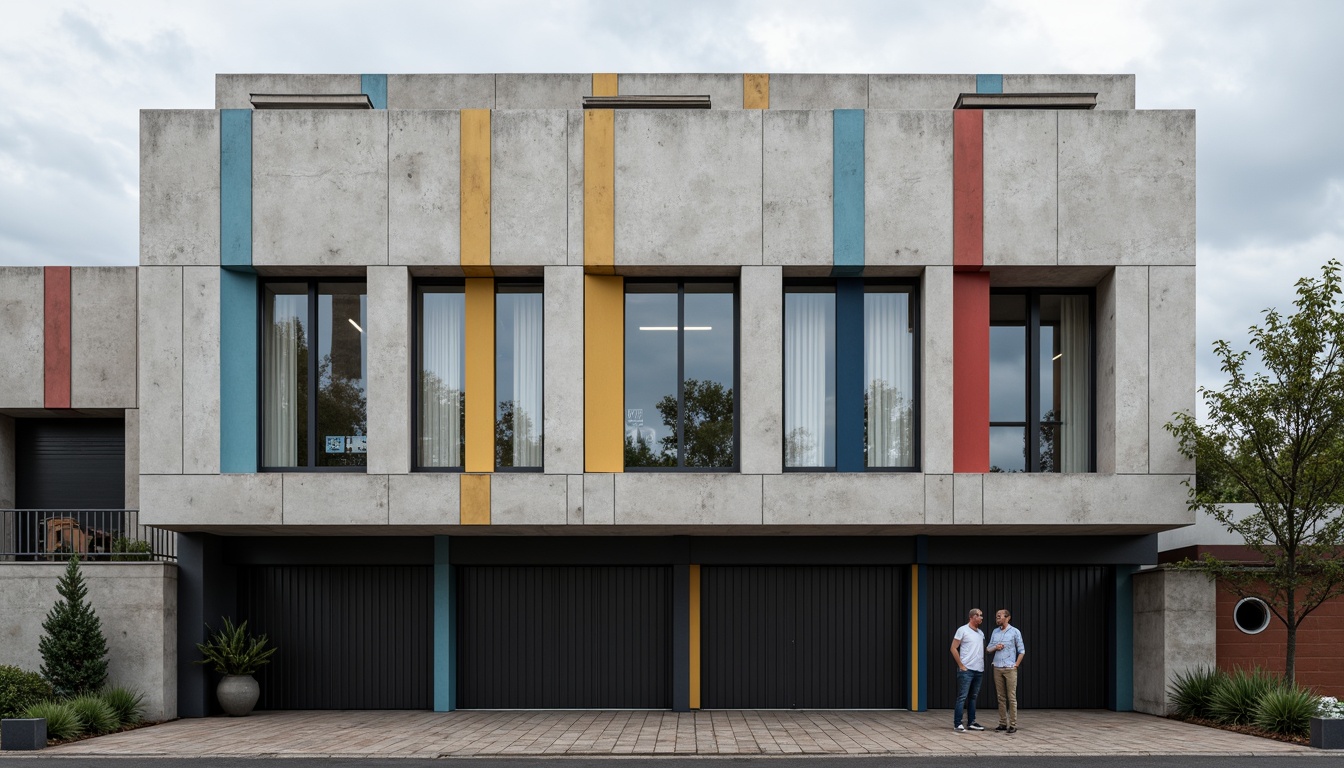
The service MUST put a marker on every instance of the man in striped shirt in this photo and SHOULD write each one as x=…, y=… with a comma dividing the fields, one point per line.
x=1005, y=642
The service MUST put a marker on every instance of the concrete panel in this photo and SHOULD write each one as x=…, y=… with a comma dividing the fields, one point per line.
x=917, y=91
x=319, y=188
x=574, y=188
x=1127, y=187
x=200, y=370
x=798, y=206
x=528, y=187
x=1175, y=631
x=1020, y=172
x=160, y=375
x=7, y=457
x=424, y=183
x=936, y=370
x=1148, y=501
x=102, y=337
x=908, y=188
x=425, y=498
x=22, y=345
x=724, y=91
x=132, y=470
x=187, y=502
x=234, y=91
x=1113, y=91
x=652, y=498
x=761, y=368
x=688, y=187
x=562, y=376
x=528, y=498
x=1171, y=362
x=179, y=187
x=136, y=604
x=1122, y=371
x=797, y=498
x=335, y=498
x=599, y=499
x=440, y=91
x=389, y=371
x=968, y=499
x=818, y=91
x=574, y=499
x=938, y=499
x=550, y=91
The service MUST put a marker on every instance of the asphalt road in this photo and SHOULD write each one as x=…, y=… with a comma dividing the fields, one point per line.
x=1324, y=760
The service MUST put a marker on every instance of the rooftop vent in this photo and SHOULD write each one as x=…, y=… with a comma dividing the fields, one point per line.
x=1026, y=101
x=646, y=102
x=311, y=101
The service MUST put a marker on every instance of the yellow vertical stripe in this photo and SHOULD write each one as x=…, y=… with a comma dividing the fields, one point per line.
x=475, y=190
x=604, y=84
x=474, y=493
x=755, y=91
x=914, y=638
x=480, y=374
x=603, y=373
x=695, y=637
x=599, y=189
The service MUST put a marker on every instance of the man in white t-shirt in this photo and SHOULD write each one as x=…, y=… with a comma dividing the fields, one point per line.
x=968, y=649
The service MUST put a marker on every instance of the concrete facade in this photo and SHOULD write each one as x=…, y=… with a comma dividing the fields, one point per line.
x=1173, y=632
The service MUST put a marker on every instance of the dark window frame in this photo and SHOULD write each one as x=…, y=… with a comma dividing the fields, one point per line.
x=417, y=362
x=520, y=282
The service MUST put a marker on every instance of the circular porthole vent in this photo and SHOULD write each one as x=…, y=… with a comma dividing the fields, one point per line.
x=1251, y=615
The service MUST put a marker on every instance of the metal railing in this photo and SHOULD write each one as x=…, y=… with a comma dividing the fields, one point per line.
x=52, y=535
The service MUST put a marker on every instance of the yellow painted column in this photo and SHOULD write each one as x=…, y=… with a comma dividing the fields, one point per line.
x=475, y=192
x=599, y=190
x=605, y=84
x=755, y=91
x=695, y=637
x=603, y=373
x=480, y=374
x=474, y=499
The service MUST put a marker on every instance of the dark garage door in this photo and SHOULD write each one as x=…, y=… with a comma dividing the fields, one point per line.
x=70, y=463
x=573, y=637
x=1062, y=612
x=348, y=637
x=823, y=637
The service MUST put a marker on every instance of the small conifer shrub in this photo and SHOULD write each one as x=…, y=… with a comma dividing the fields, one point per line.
x=74, y=651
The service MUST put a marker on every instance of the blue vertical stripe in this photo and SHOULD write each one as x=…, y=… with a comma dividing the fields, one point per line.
x=375, y=87
x=235, y=187
x=849, y=375
x=989, y=83
x=445, y=629
x=1123, y=687
x=238, y=416
x=847, y=148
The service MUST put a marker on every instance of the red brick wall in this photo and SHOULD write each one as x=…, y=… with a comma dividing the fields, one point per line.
x=1320, y=645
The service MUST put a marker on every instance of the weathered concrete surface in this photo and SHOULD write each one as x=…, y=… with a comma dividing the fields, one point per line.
x=1113, y=91
x=789, y=91
x=574, y=499
x=1122, y=371
x=440, y=91
x=1147, y=502
x=194, y=502
x=938, y=501
x=1021, y=158
x=388, y=347
x=528, y=498
x=22, y=345
x=798, y=176
x=935, y=391
x=132, y=467
x=102, y=337
x=160, y=377
x=599, y=499
x=528, y=187
x=968, y=499
x=234, y=91
x=724, y=91
x=200, y=370
x=887, y=498
x=562, y=376
x=335, y=499
x=649, y=498
x=179, y=187
x=1171, y=362
x=542, y=91
x=425, y=498
x=1175, y=632
x=424, y=182
x=917, y=91
x=7, y=456
x=574, y=186
x=760, y=370
x=908, y=188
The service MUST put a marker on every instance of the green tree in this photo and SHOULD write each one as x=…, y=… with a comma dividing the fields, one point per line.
x=74, y=651
x=1275, y=434
x=707, y=423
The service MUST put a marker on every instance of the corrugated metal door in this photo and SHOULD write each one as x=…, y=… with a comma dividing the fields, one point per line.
x=70, y=464
x=1062, y=613
x=564, y=637
x=348, y=637
x=806, y=637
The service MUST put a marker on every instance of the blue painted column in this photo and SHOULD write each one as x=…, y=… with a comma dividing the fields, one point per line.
x=847, y=194
x=989, y=83
x=239, y=370
x=235, y=187
x=849, y=382
x=375, y=87
x=1122, y=681
x=445, y=629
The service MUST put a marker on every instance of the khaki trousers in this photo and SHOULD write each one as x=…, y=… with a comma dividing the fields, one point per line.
x=1005, y=688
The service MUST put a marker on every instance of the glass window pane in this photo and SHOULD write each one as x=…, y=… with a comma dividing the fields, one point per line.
x=285, y=375
x=651, y=375
x=1007, y=358
x=1007, y=449
x=441, y=386
x=1066, y=383
x=809, y=377
x=888, y=375
x=342, y=419
x=708, y=401
x=518, y=376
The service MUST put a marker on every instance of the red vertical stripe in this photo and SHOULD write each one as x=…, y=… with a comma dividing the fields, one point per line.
x=968, y=188
x=970, y=372
x=56, y=312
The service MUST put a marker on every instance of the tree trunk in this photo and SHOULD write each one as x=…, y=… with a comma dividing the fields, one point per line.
x=1290, y=662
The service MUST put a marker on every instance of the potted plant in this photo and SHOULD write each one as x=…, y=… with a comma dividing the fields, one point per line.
x=237, y=656
x=1327, y=727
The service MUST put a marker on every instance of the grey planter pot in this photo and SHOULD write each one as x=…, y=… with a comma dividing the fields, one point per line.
x=1327, y=734
x=23, y=733
x=238, y=694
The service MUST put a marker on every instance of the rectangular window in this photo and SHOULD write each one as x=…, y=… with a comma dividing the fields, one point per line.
x=1040, y=381
x=888, y=377
x=518, y=375
x=313, y=332
x=440, y=418
x=680, y=374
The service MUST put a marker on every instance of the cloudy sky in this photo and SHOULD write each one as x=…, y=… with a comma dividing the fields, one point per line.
x=1261, y=75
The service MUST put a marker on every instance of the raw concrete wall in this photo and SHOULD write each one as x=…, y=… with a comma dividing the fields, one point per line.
x=424, y=183
x=179, y=187
x=22, y=345
x=528, y=187
x=102, y=337
x=137, y=606
x=1174, y=632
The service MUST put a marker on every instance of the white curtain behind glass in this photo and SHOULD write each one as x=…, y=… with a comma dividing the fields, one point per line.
x=1075, y=385
x=887, y=370
x=809, y=319
x=443, y=340
x=527, y=425
x=284, y=350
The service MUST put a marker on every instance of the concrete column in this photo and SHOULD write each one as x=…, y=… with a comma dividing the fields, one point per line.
x=1175, y=631
x=936, y=370
x=205, y=592
x=761, y=365
x=389, y=366
x=562, y=379
x=6, y=463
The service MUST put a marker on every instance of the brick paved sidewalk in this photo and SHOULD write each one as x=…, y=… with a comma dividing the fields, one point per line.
x=749, y=732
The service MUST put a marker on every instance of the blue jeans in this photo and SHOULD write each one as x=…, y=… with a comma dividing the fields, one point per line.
x=968, y=687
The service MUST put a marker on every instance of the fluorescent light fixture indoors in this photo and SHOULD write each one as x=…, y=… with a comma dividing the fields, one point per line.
x=352, y=322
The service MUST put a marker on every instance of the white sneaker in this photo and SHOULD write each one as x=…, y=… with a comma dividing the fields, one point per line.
x=960, y=729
